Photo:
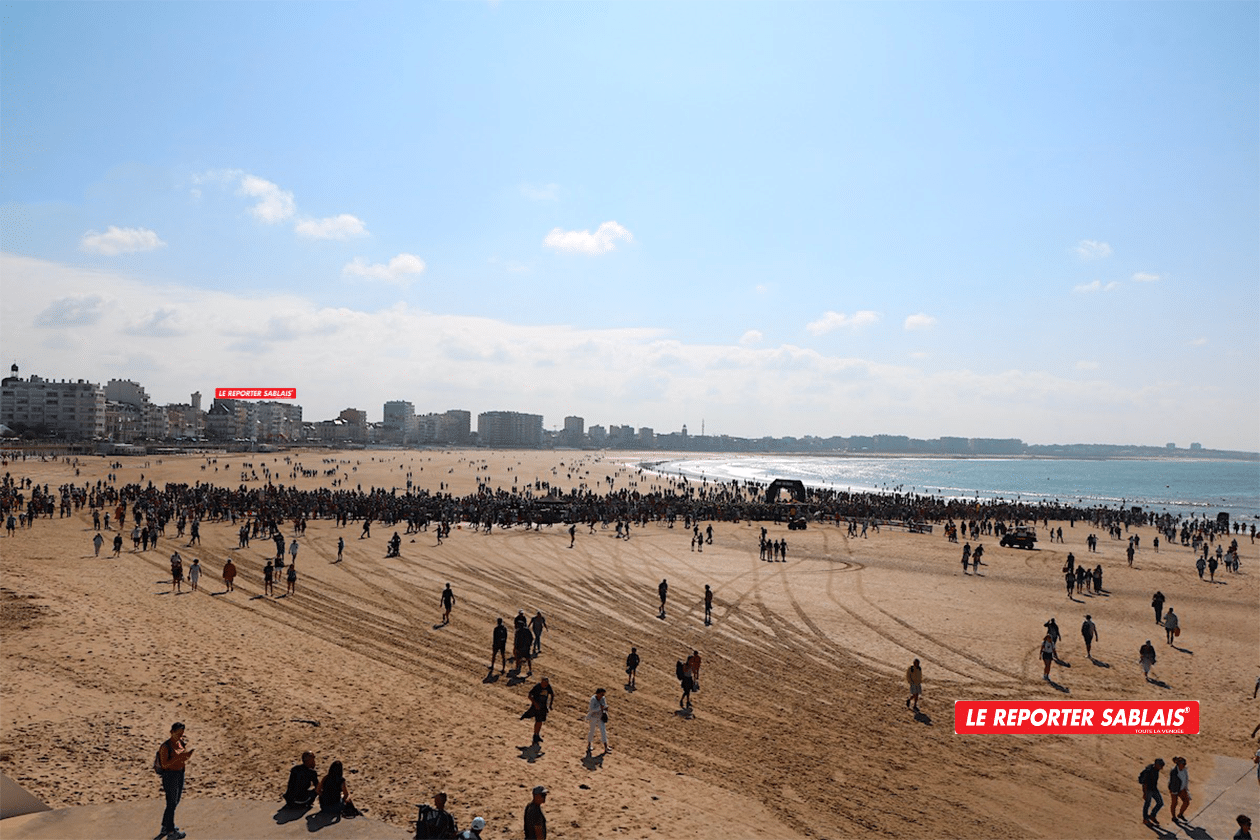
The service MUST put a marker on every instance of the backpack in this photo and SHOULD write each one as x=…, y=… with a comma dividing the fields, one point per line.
x=1144, y=778
x=680, y=669
x=157, y=760
x=1174, y=781
x=432, y=823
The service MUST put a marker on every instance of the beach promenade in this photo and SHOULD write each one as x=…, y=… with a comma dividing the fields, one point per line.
x=799, y=728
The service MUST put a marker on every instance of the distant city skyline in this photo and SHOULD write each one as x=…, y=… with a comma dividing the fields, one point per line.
x=1033, y=221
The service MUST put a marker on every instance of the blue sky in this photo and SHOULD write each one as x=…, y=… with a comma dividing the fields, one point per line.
x=1033, y=220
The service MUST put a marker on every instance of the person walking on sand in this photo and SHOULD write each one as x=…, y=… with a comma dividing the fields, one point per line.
x=537, y=625
x=1146, y=656
x=341, y=547
x=1089, y=632
x=194, y=574
x=448, y=601
x=1157, y=603
x=541, y=700
x=177, y=573
x=97, y=542
x=914, y=676
x=708, y=605
x=268, y=585
x=1172, y=625
x=499, y=642
x=291, y=580
x=1047, y=656
x=229, y=575
x=632, y=667
x=966, y=557
x=535, y=819
x=597, y=718
x=172, y=756
x=693, y=668
x=663, y=590
x=1178, y=788
x=118, y=543
x=684, y=679
x=1149, y=778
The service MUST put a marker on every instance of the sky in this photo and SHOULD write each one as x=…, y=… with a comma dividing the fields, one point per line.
x=1028, y=220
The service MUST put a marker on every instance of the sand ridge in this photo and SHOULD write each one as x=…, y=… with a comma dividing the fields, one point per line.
x=799, y=728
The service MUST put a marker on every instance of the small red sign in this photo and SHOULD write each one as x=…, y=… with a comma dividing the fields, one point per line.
x=255, y=393
x=1076, y=717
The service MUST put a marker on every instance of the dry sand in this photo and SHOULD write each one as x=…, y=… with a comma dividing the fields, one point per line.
x=799, y=730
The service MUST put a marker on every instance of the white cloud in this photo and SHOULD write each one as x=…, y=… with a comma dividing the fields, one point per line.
x=541, y=192
x=399, y=270
x=762, y=288
x=637, y=375
x=750, y=338
x=1144, y=277
x=1199, y=342
x=836, y=320
x=920, y=321
x=602, y=241
x=1088, y=249
x=1086, y=365
x=344, y=226
x=163, y=322
x=116, y=240
x=1095, y=286
x=274, y=204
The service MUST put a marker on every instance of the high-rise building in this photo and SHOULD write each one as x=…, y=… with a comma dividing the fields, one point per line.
x=400, y=421
x=574, y=431
x=509, y=429
x=75, y=410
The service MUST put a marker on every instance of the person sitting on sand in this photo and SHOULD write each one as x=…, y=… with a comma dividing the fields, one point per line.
x=303, y=783
x=332, y=793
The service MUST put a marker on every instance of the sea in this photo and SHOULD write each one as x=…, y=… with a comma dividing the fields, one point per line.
x=1187, y=488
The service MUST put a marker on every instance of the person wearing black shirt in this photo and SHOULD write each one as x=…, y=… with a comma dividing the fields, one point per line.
x=535, y=819
x=541, y=699
x=500, y=645
x=303, y=779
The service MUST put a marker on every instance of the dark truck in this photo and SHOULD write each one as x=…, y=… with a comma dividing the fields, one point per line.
x=1019, y=537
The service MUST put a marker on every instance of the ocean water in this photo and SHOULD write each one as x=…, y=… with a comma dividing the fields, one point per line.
x=1177, y=486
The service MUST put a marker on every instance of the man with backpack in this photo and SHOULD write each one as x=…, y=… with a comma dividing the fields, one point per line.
x=434, y=821
x=1149, y=779
x=169, y=764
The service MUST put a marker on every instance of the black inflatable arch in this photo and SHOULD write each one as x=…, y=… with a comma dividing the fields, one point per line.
x=794, y=488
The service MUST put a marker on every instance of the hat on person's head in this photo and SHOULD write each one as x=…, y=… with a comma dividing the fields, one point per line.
x=540, y=789
x=478, y=823
x=1089, y=618
x=1160, y=762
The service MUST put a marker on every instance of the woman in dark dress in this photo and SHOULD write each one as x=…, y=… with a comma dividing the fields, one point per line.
x=332, y=792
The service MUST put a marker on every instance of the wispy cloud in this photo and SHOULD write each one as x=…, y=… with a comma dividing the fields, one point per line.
x=1145, y=277
x=116, y=240
x=1084, y=364
x=164, y=322
x=920, y=321
x=274, y=204
x=1094, y=287
x=541, y=192
x=1199, y=342
x=343, y=226
x=72, y=311
x=838, y=320
x=1089, y=249
x=603, y=240
x=401, y=269
x=750, y=338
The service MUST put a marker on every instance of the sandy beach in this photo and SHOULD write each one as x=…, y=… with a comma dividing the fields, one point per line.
x=799, y=728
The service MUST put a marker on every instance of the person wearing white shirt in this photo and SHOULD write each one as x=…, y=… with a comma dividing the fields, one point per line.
x=597, y=717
